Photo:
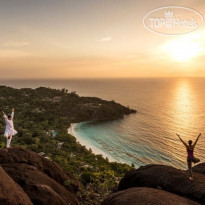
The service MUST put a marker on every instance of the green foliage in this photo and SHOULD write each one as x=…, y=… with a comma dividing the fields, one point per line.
x=38, y=111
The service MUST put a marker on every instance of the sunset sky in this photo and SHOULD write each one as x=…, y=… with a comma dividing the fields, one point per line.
x=94, y=39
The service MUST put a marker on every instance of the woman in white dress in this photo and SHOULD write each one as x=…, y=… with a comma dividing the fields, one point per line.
x=9, y=131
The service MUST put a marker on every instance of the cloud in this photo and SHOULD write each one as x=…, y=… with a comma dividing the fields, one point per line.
x=104, y=39
x=16, y=44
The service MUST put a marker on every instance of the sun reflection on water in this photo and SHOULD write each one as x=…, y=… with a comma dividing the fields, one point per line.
x=183, y=102
x=183, y=105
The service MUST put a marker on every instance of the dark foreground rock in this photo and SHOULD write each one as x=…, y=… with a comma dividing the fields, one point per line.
x=10, y=192
x=44, y=181
x=166, y=178
x=200, y=168
x=146, y=196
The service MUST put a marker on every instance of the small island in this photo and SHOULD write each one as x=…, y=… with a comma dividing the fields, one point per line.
x=42, y=118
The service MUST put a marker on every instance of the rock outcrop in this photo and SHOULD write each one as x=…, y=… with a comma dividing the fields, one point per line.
x=200, y=168
x=42, y=180
x=166, y=178
x=146, y=196
x=27, y=178
x=10, y=192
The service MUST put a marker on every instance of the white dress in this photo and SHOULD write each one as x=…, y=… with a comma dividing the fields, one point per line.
x=9, y=126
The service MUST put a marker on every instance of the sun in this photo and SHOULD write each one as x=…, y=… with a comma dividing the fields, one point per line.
x=183, y=49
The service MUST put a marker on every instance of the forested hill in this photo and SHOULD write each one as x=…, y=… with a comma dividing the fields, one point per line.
x=50, y=102
x=42, y=117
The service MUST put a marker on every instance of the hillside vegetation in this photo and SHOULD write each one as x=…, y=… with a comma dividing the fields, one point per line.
x=39, y=112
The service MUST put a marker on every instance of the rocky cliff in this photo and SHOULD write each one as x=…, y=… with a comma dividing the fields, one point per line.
x=27, y=178
x=160, y=184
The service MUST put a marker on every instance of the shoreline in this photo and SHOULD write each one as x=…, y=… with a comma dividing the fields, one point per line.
x=83, y=142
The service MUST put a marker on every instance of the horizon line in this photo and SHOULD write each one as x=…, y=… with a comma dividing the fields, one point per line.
x=101, y=78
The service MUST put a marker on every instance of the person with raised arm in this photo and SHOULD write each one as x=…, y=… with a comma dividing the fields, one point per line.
x=190, y=154
x=9, y=131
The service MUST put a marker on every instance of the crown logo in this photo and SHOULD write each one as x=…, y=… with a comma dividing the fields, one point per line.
x=169, y=14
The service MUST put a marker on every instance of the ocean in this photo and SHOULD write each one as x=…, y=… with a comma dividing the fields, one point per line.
x=165, y=106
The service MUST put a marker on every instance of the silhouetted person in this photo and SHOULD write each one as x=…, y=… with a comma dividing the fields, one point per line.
x=190, y=154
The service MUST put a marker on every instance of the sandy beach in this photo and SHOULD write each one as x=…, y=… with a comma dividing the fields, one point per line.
x=83, y=142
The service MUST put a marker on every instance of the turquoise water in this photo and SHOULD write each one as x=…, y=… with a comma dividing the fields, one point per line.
x=165, y=106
